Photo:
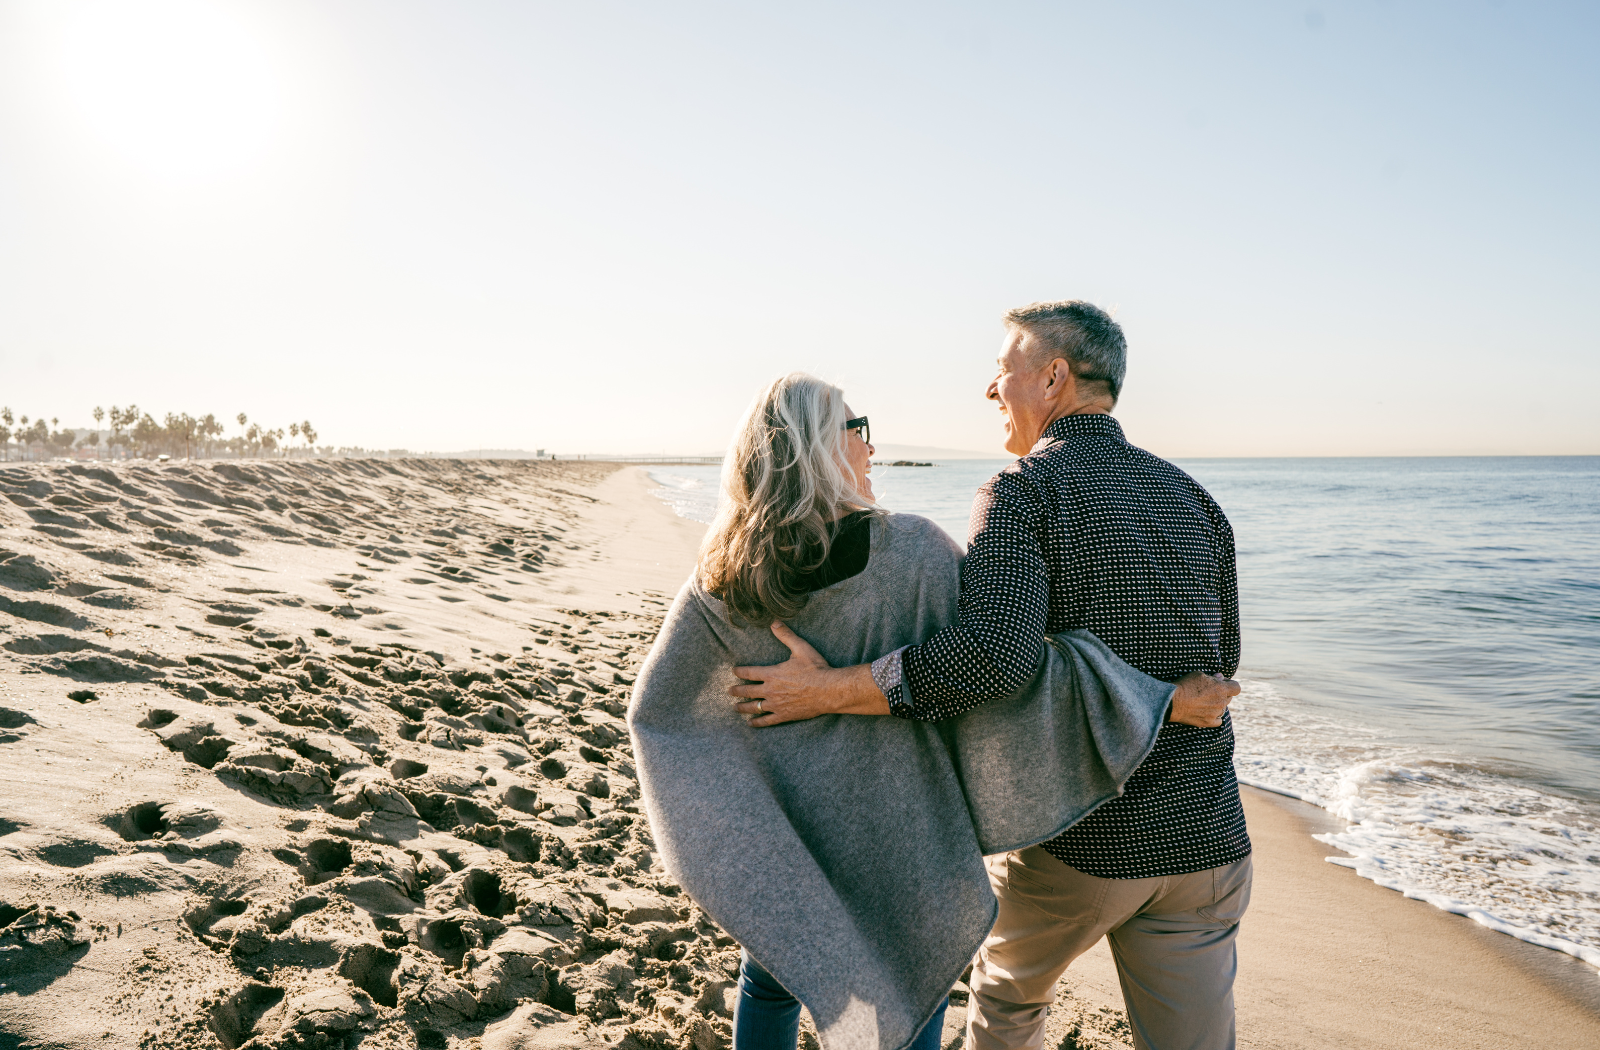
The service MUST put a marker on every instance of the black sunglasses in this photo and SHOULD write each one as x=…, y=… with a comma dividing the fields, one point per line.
x=860, y=423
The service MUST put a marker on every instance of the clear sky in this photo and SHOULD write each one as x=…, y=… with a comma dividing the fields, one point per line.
x=1360, y=228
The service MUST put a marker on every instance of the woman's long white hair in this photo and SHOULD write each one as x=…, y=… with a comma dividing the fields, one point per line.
x=786, y=478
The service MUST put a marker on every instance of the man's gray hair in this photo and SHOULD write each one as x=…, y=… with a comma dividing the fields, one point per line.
x=1082, y=333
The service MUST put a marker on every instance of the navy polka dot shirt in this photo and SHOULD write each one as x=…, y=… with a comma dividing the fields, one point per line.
x=1088, y=531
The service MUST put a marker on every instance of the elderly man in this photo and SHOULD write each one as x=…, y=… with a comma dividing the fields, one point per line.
x=1084, y=531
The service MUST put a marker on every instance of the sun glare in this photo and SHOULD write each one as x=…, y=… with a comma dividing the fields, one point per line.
x=185, y=89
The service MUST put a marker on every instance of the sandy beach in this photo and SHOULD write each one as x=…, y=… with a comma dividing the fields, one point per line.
x=325, y=754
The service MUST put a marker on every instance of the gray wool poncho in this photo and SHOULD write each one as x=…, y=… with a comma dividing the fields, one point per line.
x=846, y=852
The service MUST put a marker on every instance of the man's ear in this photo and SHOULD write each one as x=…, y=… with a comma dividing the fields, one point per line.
x=1061, y=378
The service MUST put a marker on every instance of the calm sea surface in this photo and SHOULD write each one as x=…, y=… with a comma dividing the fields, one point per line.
x=1421, y=658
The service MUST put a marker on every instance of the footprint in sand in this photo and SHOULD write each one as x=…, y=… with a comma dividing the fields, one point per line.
x=234, y=1020
x=414, y=892
x=11, y=722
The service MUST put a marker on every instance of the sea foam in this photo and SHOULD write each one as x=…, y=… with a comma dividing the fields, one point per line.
x=690, y=491
x=1433, y=826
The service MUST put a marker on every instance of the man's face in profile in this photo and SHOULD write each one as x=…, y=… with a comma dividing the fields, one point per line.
x=1020, y=390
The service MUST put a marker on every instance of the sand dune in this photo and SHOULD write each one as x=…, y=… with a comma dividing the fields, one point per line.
x=328, y=754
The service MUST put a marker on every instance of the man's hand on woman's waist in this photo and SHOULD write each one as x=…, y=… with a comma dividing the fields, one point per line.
x=804, y=686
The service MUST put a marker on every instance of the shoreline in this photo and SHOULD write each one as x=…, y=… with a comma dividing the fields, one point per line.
x=1331, y=961
x=1328, y=958
x=1330, y=826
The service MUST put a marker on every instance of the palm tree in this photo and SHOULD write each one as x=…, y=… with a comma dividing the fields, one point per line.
x=209, y=428
x=5, y=433
x=181, y=427
x=62, y=440
x=34, y=435
x=146, y=432
x=120, y=420
x=99, y=414
x=58, y=441
x=308, y=433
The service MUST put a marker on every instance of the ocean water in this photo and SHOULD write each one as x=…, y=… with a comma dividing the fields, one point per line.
x=1421, y=659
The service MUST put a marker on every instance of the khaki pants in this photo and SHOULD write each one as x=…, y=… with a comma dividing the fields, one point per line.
x=1172, y=937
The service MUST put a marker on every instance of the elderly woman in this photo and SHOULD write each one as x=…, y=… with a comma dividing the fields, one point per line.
x=845, y=853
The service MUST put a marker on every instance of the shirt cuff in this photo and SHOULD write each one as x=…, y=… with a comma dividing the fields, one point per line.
x=889, y=673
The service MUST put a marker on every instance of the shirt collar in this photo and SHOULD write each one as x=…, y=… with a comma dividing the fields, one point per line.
x=1093, y=423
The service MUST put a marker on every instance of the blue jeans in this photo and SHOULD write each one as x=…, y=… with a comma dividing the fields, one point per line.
x=768, y=1017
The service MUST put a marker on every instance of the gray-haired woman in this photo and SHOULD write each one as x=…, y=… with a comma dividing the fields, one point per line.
x=845, y=853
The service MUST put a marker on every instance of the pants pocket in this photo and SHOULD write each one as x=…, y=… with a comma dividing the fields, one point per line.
x=1230, y=893
x=1059, y=891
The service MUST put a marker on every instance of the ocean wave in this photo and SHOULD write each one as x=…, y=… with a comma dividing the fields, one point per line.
x=1468, y=840
x=691, y=492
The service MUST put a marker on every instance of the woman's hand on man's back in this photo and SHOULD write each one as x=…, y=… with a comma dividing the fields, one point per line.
x=805, y=686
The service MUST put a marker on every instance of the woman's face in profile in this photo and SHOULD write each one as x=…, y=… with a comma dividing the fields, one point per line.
x=859, y=455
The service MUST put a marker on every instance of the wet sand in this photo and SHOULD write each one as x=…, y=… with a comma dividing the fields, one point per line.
x=1328, y=960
